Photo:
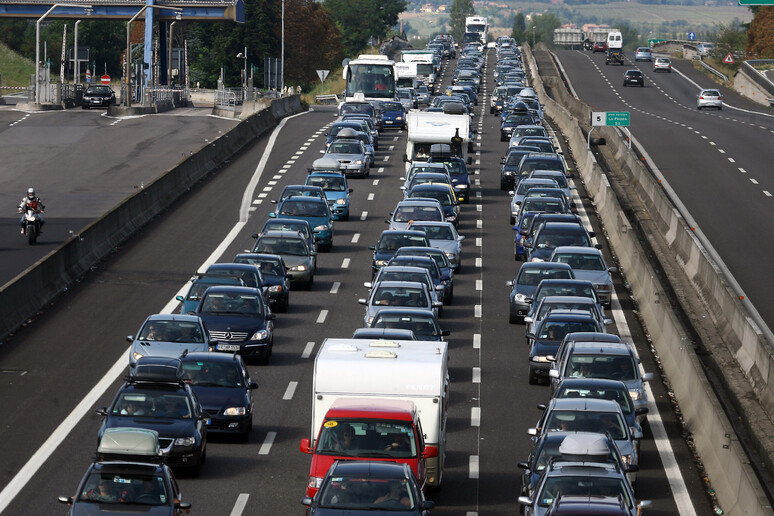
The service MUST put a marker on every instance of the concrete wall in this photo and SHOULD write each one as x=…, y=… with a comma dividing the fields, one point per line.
x=727, y=464
x=51, y=275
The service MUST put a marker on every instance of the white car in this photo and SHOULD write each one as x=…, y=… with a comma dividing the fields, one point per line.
x=709, y=98
x=662, y=64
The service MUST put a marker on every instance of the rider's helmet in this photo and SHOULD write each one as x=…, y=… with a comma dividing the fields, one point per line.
x=30, y=193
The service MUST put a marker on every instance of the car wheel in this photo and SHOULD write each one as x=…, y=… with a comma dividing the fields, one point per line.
x=451, y=295
x=698, y=107
x=310, y=283
x=533, y=377
x=513, y=220
x=513, y=318
x=264, y=360
x=85, y=106
x=502, y=137
x=503, y=186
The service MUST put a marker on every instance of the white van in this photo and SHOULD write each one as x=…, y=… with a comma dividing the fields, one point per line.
x=614, y=40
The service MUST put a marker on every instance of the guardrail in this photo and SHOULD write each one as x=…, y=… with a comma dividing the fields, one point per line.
x=713, y=71
x=748, y=68
x=326, y=99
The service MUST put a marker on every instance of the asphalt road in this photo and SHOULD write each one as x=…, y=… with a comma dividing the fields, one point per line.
x=718, y=162
x=83, y=163
x=51, y=365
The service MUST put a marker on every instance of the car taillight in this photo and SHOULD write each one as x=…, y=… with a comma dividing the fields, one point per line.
x=720, y=98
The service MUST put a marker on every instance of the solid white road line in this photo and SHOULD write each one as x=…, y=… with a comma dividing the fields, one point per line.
x=308, y=350
x=240, y=505
x=290, y=391
x=266, y=446
x=86, y=405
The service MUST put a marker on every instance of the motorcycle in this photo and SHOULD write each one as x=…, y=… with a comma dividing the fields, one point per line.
x=31, y=225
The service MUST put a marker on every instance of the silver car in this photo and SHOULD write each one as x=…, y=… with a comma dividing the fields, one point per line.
x=409, y=210
x=588, y=264
x=662, y=64
x=407, y=294
x=168, y=335
x=444, y=236
x=351, y=155
x=709, y=98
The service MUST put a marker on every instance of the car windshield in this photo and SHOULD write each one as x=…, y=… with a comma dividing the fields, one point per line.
x=232, y=304
x=549, y=239
x=268, y=266
x=584, y=262
x=289, y=246
x=564, y=305
x=541, y=164
x=620, y=396
x=391, y=106
x=435, y=232
x=419, y=324
x=602, y=366
x=367, y=438
x=519, y=119
x=394, y=242
x=557, y=330
x=560, y=179
x=514, y=158
x=298, y=226
x=710, y=93
x=444, y=197
x=402, y=94
x=98, y=90
x=587, y=421
x=327, y=183
x=203, y=373
x=140, y=404
x=581, y=290
x=293, y=208
x=409, y=261
x=524, y=186
x=307, y=192
x=583, y=485
x=399, y=296
x=351, y=109
x=366, y=493
x=543, y=204
x=550, y=449
x=344, y=148
x=124, y=488
x=407, y=213
x=533, y=276
x=172, y=331
x=419, y=277
x=198, y=287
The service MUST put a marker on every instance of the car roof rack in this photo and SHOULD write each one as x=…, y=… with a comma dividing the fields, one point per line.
x=158, y=370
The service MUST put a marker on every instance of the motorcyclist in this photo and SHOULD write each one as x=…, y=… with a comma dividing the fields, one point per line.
x=33, y=202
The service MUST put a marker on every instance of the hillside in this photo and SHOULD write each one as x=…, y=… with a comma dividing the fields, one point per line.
x=15, y=70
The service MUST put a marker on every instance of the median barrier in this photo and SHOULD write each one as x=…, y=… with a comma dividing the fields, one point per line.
x=54, y=273
x=740, y=355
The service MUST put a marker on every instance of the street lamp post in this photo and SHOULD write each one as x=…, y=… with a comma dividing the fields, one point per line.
x=128, y=101
x=244, y=78
x=76, y=75
x=533, y=36
x=169, y=75
x=282, y=57
x=86, y=8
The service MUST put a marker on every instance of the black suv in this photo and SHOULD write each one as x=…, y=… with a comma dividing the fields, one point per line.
x=157, y=398
x=633, y=78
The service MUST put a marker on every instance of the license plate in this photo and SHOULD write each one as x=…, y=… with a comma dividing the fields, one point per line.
x=228, y=347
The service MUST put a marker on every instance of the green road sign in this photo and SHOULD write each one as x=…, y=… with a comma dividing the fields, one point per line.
x=618, y=118
x=756, y=2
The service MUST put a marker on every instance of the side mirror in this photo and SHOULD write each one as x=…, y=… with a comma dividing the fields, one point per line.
x=66, y=499
x=405, y=158
x=372, y=247
x=362, y=301
x=254, y=235
x=647, y=377
x=102, y=411
x=184, y=506
x=273, y=201
x=612, y=269
x=368, y=284
x=179, y=298
x=641, y=411
x=271, y=317
x=523, y=465
x=541, y=406
x=445, y=333
x=502, y=161
x=306, y=500
x=351, y=190
x=528, y=320
x=430, y=452
x=272, y=215
x=460, y=238
x=633, y=468
x=322, y=152
x=509, y=283
x=305, y=446
x=427, y=505
x=252, y=386
x=130, y=338
x=532, y=431
x=553, y=373
x=608, y=322
x=530, y=336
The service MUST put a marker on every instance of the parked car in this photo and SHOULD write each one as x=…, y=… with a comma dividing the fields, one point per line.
x=633, y=78
x=709, y=98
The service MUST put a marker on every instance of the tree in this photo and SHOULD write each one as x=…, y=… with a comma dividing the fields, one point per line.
x=544, y=26
x=518, y=32
x=460, y=9
x=760, y=37
x=731, y=38
x=358, y=20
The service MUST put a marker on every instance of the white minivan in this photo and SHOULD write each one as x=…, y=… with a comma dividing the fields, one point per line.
x=614, y=40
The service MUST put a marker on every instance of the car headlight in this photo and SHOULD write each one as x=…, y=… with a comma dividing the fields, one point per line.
x=627, y=459
x=314, y=482
x=520, y=298
x=449, y=254
x=542, y=359
x=381, y=263
x=137, y=356
x=461, y=187
x=298, y=268
x=537, y=260
x=341, y=202
x=635, y=395
x=260, y=335
x=235, y=411
x=275, y=288
x=321, y=227
x=451, y=218
x=398, y=118
x=358, y=162
x=369, y=320
x=185, y=441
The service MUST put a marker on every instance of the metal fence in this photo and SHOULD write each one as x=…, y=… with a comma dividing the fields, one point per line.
x=227, y=99
x=178, y=96
x=748, y=68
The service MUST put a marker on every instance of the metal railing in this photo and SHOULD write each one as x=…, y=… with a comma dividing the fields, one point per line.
x=713, y=71
x=748, y=68
x=227, y=99
x=177, y=96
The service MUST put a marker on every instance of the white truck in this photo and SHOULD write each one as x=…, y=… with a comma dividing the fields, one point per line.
x=426, y=129
x=406, y=75
x=478, y=24
x=425, y=66
x=399, y=370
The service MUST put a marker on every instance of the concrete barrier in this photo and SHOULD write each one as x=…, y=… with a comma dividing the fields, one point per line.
x=742, y=356
x=54, y=273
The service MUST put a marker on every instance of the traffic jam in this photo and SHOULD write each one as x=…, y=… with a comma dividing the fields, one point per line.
x=379, y=415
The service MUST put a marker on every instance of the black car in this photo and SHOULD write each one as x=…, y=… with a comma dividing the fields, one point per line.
x=369, y=487
x=239, y=320
x=514, y=120
x=276, y=280
x=222, y=384
x=509, y=175
x=633, y=78
x=157, y=398
x=98, y=96
x=390, y=241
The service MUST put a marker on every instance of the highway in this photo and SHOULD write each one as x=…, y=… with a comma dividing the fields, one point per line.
x=83, y=163
x=48, y=367
x=718, y=162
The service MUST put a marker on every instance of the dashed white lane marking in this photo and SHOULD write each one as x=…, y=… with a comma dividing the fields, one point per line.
x=322, y=316
x=345, y=263
x=478, y=262
x=479, y=224
x=272, y=183
x=477, y=311
x=731, y=160
x=386, y=158
x=308, y=350
x=335, y=287
x=239, y=506
x=380, y=170
x=267, y=189
x=376, y=182
x=721, y=151
x=743, y=171
x=475, y=416
x=278, y=176
x=263, y=195
x=391, y=147
x=479, y=207
x=476, y=341
x=473, y=467
x=371, y=196
x=476, y=378
x=290, y=391
x=364, y=215
x=256, y=201
x=266, y=446
x=766, y=193
x=479, y=284
x=479, y=241
x=753, y=181
x=355, y=238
